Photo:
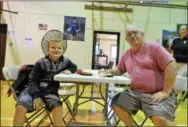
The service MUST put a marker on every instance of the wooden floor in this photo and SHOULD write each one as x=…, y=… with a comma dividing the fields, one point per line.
x=89, y=113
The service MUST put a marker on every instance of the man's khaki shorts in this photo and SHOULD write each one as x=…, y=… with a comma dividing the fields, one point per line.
x=133, y=101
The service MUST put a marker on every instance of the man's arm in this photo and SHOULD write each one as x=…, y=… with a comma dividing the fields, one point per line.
x=169, y=77
x=167, y=64
x=171, y=49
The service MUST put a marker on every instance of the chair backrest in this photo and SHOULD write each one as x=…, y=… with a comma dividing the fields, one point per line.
x=183, y=71
x=11, y=74
x=181, y=83
x=181, y=79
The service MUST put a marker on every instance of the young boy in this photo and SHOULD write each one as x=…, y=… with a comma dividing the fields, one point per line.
x=42, y=89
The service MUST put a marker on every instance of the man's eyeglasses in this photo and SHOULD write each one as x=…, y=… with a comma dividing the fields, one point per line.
x=131, y=35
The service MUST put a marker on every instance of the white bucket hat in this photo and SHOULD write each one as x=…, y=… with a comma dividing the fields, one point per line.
x=53, y=35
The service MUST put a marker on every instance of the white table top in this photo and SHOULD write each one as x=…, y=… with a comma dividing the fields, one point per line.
x=91, y=79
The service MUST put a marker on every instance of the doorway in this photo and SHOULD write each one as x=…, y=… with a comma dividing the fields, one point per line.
x=105, y=49
x=3, y=36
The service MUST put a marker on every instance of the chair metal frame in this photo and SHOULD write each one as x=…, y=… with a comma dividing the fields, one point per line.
x=65, y=93
x=10, y=74
x=180, y=85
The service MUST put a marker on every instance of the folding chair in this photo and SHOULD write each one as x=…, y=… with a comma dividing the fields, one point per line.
x=181, y=86
x=65, y=92
x=11, y=74
x=114, y=89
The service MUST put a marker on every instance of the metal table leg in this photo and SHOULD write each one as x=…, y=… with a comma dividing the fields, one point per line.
x=106, y=105
x=75, y=107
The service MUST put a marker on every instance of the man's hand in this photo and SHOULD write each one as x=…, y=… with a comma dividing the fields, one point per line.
x=38, y=103
x=159, y=96
x=110, y=72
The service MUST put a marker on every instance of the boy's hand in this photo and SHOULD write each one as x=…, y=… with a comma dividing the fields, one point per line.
x=79, y=71
x=38, y=103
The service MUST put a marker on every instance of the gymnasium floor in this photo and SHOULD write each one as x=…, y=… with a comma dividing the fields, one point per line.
x=89, y=113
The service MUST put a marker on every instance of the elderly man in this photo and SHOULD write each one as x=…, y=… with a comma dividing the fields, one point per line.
x=152, y=72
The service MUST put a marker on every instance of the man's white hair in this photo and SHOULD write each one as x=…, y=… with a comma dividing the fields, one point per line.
x=182, y=27
x=132, y=27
